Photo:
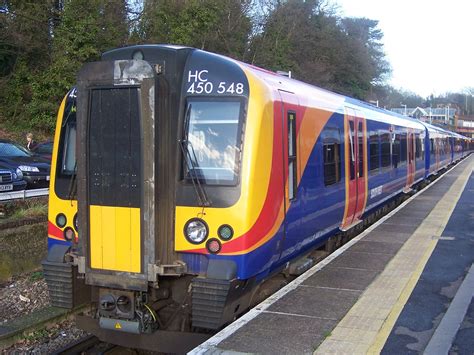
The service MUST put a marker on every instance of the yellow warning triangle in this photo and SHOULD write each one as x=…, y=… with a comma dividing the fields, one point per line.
x=118, y=326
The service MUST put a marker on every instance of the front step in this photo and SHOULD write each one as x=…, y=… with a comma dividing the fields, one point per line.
x=209, y=297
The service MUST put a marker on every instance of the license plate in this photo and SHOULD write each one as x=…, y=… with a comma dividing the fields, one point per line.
x=47, y=178
x=6, y=187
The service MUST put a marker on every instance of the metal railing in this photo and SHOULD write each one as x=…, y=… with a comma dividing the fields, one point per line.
x=23, y=194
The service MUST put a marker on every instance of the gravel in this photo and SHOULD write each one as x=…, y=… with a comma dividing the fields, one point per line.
x=23, y=295
x=48, y=340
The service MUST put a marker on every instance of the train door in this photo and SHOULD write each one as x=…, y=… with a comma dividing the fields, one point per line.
x=290, y=156
x=411, y=150
x=437, y=153
x=355, y=133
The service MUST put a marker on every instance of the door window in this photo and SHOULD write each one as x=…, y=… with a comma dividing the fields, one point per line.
x=292, y=168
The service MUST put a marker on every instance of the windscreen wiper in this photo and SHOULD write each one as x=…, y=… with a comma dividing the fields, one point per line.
x=190, y=165
x=72, y=184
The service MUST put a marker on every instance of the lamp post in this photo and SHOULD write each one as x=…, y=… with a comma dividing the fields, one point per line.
x=446, y=120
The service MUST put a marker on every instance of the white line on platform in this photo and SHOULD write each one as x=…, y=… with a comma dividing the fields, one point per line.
x=444, y=335
x=260, y=308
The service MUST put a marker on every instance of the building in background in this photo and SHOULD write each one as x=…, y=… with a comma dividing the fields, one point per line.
x=445, y=117
x=436, y=115
x=464, y=124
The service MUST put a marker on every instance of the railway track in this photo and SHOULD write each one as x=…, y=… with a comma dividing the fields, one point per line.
x=24, y=194
x=88, y=345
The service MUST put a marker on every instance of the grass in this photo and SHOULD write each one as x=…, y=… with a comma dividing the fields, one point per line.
x=26, y=209
x=327, y=334
x=36, y=275
x=37, y=335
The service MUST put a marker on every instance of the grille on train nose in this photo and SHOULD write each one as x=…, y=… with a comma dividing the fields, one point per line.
x=6, y=176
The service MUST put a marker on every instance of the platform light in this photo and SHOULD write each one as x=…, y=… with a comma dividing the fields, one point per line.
x=196, y=231
x=61, y=220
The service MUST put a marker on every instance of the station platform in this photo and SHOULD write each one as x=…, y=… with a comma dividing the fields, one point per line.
x=405, y=285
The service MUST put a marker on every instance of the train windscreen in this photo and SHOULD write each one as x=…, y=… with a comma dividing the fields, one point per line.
x=214, y=141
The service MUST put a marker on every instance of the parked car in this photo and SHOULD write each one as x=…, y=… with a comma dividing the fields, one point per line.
x=44, y=149
x=11, y=180
x=35, y=169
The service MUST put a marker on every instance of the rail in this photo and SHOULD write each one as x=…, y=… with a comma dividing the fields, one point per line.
x=88, y=345
x=23, y=194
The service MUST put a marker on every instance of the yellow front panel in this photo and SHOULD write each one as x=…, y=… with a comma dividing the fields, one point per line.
x=95, y=239
x=115, y=238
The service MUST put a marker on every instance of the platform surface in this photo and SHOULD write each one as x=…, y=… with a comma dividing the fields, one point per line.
x=404, y=285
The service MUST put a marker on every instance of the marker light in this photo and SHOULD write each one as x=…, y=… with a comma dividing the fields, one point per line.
x=213, y=246
x=225, y=232
x=69, y=234
x=61, y=220
x=196, y=231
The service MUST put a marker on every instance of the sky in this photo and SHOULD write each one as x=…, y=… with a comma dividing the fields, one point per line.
x=428, y=43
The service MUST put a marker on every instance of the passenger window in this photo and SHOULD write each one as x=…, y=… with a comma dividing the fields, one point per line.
x=292, y=168
x=331, y=156
x=385, y=148
x=403, y=148
x=374, y=153
x=396, y=151
x=418, y=147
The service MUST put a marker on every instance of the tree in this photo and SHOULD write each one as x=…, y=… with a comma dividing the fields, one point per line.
x=311, y=40
x=215, y=25
x=25, y=44
x=52, y=41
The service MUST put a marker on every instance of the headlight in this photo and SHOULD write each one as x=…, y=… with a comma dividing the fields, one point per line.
x=19, y=173
x=28, y=168
x=196, y=231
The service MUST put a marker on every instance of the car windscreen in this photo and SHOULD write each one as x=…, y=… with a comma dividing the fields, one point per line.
x=214, y=139
x=45, y=148
x=11, y=150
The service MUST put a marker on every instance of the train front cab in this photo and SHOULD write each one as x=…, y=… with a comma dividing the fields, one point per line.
x=62, y=212
x=142, y=198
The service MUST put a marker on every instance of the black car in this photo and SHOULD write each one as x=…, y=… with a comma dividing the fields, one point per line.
x=44, y=150
x=11, y=180
x=35, y=169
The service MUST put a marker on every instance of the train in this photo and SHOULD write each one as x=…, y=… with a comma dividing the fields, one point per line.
x=183, y=180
